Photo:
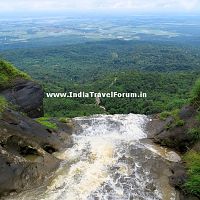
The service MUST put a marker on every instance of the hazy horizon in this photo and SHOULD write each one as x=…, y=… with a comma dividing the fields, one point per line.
x=133, y=7
x=93, y=13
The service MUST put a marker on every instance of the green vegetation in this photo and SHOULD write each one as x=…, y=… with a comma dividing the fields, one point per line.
x=94, y=66
x=64, y=119
x=195, y=133
x=164, y=115
x=196, y=93
x=8, y=73
x=192, y=160
x=195, y=99
x=89, y=61
x=164, y=92
x=176, y=119
x=3, y=104
x=45, y=122
x=198, y=117
x=70, y=108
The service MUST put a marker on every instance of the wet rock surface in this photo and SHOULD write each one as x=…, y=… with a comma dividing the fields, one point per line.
x=165, y=133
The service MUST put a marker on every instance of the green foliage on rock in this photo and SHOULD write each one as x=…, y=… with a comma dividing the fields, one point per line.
x=8, y=74
x=176, y=119
x=164, y=115
x=194, y=133
x=3, y=104
x=64, y=119
x=192, y=160
x=45, y=122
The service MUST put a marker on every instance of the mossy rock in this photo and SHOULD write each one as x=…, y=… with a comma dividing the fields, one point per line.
x=45, y=121
x=64, y=120
x=8, y=74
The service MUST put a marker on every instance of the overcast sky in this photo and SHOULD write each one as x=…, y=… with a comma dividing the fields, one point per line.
x=135, y=5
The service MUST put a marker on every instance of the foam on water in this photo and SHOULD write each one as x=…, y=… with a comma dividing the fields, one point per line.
x=95, y=150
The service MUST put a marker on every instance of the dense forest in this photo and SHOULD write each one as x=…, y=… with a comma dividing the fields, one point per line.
x=165, y=71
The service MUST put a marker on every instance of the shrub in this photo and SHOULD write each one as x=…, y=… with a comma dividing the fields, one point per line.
x=45, y=122
x=195, y=133
x=192, y=160
x=164, y=115
x=195, y=95
x=180, y=122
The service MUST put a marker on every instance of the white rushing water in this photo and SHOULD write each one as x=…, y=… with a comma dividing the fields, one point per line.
x=108, y=162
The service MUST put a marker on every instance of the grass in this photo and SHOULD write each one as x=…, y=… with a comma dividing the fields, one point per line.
x=8, y=73
x=3, y=104
x=45, y=122
x=192, y=160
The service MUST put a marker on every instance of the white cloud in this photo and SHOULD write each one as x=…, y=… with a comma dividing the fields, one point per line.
x=138, y=5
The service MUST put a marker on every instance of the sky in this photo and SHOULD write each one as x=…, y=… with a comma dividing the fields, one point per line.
x=190, y=6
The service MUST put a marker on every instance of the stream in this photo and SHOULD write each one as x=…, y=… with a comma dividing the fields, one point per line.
x=111, y=159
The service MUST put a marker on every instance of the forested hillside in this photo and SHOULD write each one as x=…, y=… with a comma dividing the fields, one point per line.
x=85, y=62
x=165, y=71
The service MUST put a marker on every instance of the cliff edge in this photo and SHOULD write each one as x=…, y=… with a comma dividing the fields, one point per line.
x=26, y=146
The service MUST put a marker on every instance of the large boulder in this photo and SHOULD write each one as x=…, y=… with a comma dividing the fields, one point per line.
x=27, y=95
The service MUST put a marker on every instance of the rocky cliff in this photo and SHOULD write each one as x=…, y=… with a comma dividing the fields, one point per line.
x=179, y=130
x=26, y=146
x=27, y=96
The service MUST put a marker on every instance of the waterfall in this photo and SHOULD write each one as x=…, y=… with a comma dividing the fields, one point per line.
x=109, y=161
